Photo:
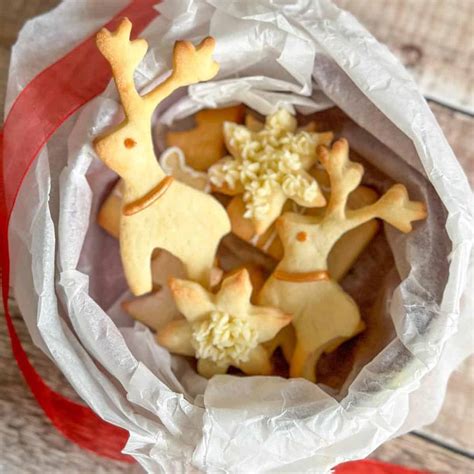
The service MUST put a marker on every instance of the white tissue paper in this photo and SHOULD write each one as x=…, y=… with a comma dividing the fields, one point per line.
x=307, y=56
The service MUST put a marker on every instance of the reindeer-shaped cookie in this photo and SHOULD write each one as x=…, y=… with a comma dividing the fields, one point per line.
x=323, y=314
x=157, y=212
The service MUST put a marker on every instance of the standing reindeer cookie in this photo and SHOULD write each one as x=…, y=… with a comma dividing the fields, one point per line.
x=157, y=211
x=323, y=314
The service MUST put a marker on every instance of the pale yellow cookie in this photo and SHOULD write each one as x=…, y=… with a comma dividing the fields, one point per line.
x=204, y=144
x=158, y=308
x=309, y=127
x=347, y=249
x=344, y=253
x=222, y=329
x=257, y=277
x=174, y=164
x=323, y=314
x=109, y=213
x=285, y=339
x=269, y=167
x=157, y=211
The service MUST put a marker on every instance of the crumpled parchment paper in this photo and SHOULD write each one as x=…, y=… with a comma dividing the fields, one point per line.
x=67, y=278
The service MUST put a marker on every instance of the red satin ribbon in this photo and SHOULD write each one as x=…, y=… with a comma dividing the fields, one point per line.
x=370, y=466
x=39, y=110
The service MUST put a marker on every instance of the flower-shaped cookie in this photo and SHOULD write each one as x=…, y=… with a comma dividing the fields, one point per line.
x=268, y=167
x=222, y=329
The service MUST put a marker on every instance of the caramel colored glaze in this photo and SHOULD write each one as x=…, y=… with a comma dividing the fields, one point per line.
x=149, y=198
x=318, y=275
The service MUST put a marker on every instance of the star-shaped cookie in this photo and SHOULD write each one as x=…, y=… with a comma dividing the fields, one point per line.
x=268, y=167
x=222, y=329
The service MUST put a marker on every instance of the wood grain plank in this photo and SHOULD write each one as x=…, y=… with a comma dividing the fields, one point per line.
x=29, y=444
x=454, y=426
x=455, y=423
x=4, y=62
x=416, y=453
x=432, y=38
x=13, y=15
x=459, y=131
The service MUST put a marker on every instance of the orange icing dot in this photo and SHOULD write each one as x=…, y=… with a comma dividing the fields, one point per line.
x=301, y=236
x=129, y=143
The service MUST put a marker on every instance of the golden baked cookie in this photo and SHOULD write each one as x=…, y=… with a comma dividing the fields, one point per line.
x=323, y=314
x=157, y=211
x=222, y=329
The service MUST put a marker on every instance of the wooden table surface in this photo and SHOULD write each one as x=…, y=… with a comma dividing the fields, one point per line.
x=435, y=40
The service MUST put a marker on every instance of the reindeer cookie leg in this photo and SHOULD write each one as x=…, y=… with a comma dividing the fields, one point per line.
x=137, y=268
x=303, y=362
x=201, y=267
x=332, y=317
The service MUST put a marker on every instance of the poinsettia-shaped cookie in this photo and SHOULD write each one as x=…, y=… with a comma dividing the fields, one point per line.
x=268, y=167
x=222, y=329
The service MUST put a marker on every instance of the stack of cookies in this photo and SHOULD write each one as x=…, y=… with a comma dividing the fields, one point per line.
x=289, y=199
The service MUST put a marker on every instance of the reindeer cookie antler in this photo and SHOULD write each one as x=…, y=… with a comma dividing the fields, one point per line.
x=157, y=211
x=324, y=315
x=190, y=65
x=393, y=207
